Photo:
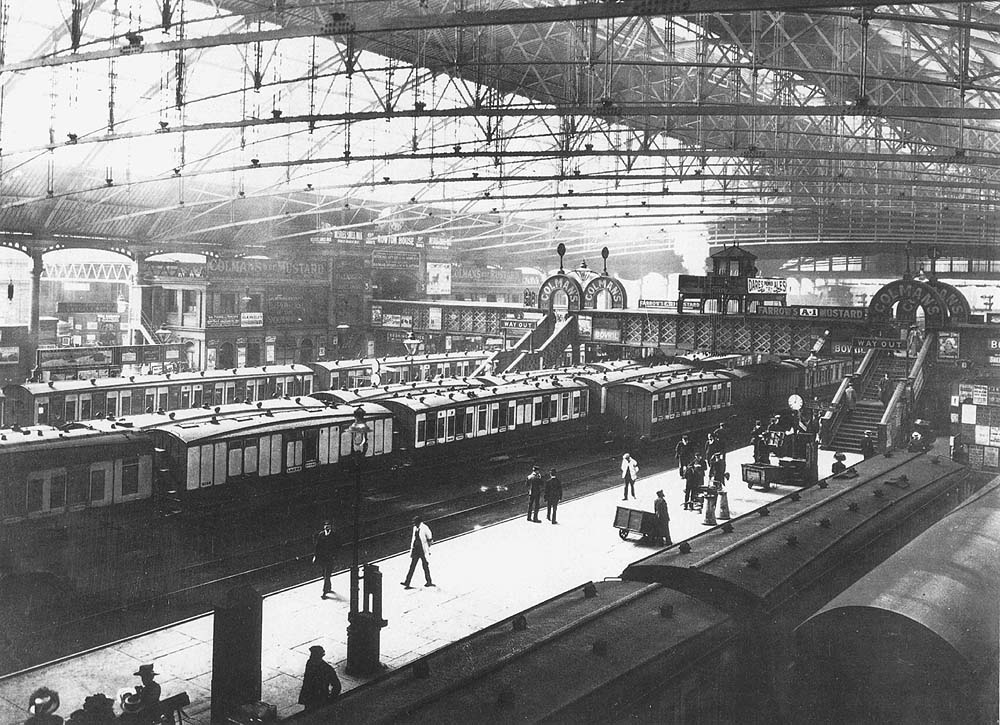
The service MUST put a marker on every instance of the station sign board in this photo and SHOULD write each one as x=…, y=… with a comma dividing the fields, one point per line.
x=73, y=308
x=512, y=323
x=861, y=345
x=656, y=304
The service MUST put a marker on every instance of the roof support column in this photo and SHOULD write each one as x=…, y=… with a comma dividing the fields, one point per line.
x=36, y=289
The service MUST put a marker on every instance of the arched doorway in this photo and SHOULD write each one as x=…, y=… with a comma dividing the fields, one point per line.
x=227, y=355
x=306, y=351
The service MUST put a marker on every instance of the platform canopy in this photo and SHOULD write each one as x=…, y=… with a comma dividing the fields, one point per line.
x=505, y=126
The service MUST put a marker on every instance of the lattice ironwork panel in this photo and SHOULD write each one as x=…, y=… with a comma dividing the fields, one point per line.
x=420, y=321
x=492, y=323
x=632, y=330
x=704, y=334
x=686, y=330
x=724, y=330
x=451, y=320
x=668, y=331
x=760, y=336
x=743, y=336
x=802, y=340
x=782, y=341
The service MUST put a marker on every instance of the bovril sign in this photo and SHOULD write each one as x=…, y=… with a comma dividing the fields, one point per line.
x=559, y=283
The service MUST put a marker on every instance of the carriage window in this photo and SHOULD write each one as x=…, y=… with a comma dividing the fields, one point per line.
x=85, y=408
x=79, y=487
x=130, y=476
x=57, y=490
x=554, y=407
x=451, y=424
x=511, y=417
x=97, y=485
x=150, y=397
x=565, y=406
x=235, y=458
x=494, y=417
x=70, y=409
x=185, y=401
x=469, y=421
x=207, y=466
x=420, y=429
x=311, y=448
x=481, y=428
x=34, y=496
x=538, y=411
x=576, y=404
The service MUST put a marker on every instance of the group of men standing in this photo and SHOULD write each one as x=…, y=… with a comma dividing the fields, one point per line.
x=694, y=463
x=550, y=489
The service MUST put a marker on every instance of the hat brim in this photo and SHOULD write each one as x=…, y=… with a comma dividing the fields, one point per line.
x=145, y=672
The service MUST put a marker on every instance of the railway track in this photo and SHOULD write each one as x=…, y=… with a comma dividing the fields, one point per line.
x=196, y=586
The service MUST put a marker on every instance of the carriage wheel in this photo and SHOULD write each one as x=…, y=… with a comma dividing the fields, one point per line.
x=623, y=533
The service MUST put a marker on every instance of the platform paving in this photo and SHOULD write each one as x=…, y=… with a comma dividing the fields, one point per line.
x=481, y=577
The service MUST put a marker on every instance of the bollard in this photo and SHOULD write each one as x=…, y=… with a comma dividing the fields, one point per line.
x=723, y=506
x=709, y=509
x=236, y=651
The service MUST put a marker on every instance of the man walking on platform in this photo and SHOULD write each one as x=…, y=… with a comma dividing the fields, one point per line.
x=553, y=494
x=630, y=472
x=535, y=487
x=324, y=553
x=420, y=550
x=715, y=455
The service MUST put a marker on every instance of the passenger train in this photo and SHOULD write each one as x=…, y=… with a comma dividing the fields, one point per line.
x=300, y=438
x=65, y=401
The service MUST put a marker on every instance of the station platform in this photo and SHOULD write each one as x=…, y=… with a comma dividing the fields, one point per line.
x=481, y=577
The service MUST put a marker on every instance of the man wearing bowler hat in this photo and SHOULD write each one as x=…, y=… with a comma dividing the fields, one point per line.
x=320, y=683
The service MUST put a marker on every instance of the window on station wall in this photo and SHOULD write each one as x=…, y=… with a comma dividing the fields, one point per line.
x=169, y=297
x=253, y=354
x=223, y=303
x=189, y=300
x=253, y=302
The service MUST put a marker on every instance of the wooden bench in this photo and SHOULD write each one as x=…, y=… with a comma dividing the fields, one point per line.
x=171, y=709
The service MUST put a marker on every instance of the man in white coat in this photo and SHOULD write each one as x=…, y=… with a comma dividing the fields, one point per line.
x=420, y=550
x=630, y=472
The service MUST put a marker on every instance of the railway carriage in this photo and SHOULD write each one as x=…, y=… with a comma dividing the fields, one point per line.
x=669, y=405
x=383, y=392
x=598, y=384
x=48, y=471
x=241, y=450
x=65, y=401
x=349, y=374
x=508, y=417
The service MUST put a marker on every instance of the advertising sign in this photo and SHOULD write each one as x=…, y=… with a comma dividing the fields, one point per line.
x=602, y=334
x=585, y=326
x=79, y=308
x=438, y=278
x=229, y=320
x=433, y=318
x=267, y=269
x=376, y=314
x=251, y=319
x=948, y=345
x=10, y=354
x=655, y=304
x=74, y=357
x=395, y=259
x=816, y=313
x=767, y=286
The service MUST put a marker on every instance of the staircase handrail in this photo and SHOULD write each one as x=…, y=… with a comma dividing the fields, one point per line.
x=488, y=365
x=838, y=409
x=553, y=347
x=893, y=425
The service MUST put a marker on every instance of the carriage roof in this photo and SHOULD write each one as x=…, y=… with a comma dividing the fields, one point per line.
x=478, y=396
x=191, y=378
x=257, y=423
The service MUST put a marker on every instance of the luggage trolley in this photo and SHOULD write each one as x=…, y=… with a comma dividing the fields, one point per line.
x=628, y=520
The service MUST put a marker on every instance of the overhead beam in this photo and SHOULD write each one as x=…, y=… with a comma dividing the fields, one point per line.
x=342, y=25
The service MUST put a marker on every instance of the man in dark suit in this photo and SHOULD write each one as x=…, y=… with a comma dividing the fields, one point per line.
x=535, y=487
x=324, y=554
x=553, y=495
